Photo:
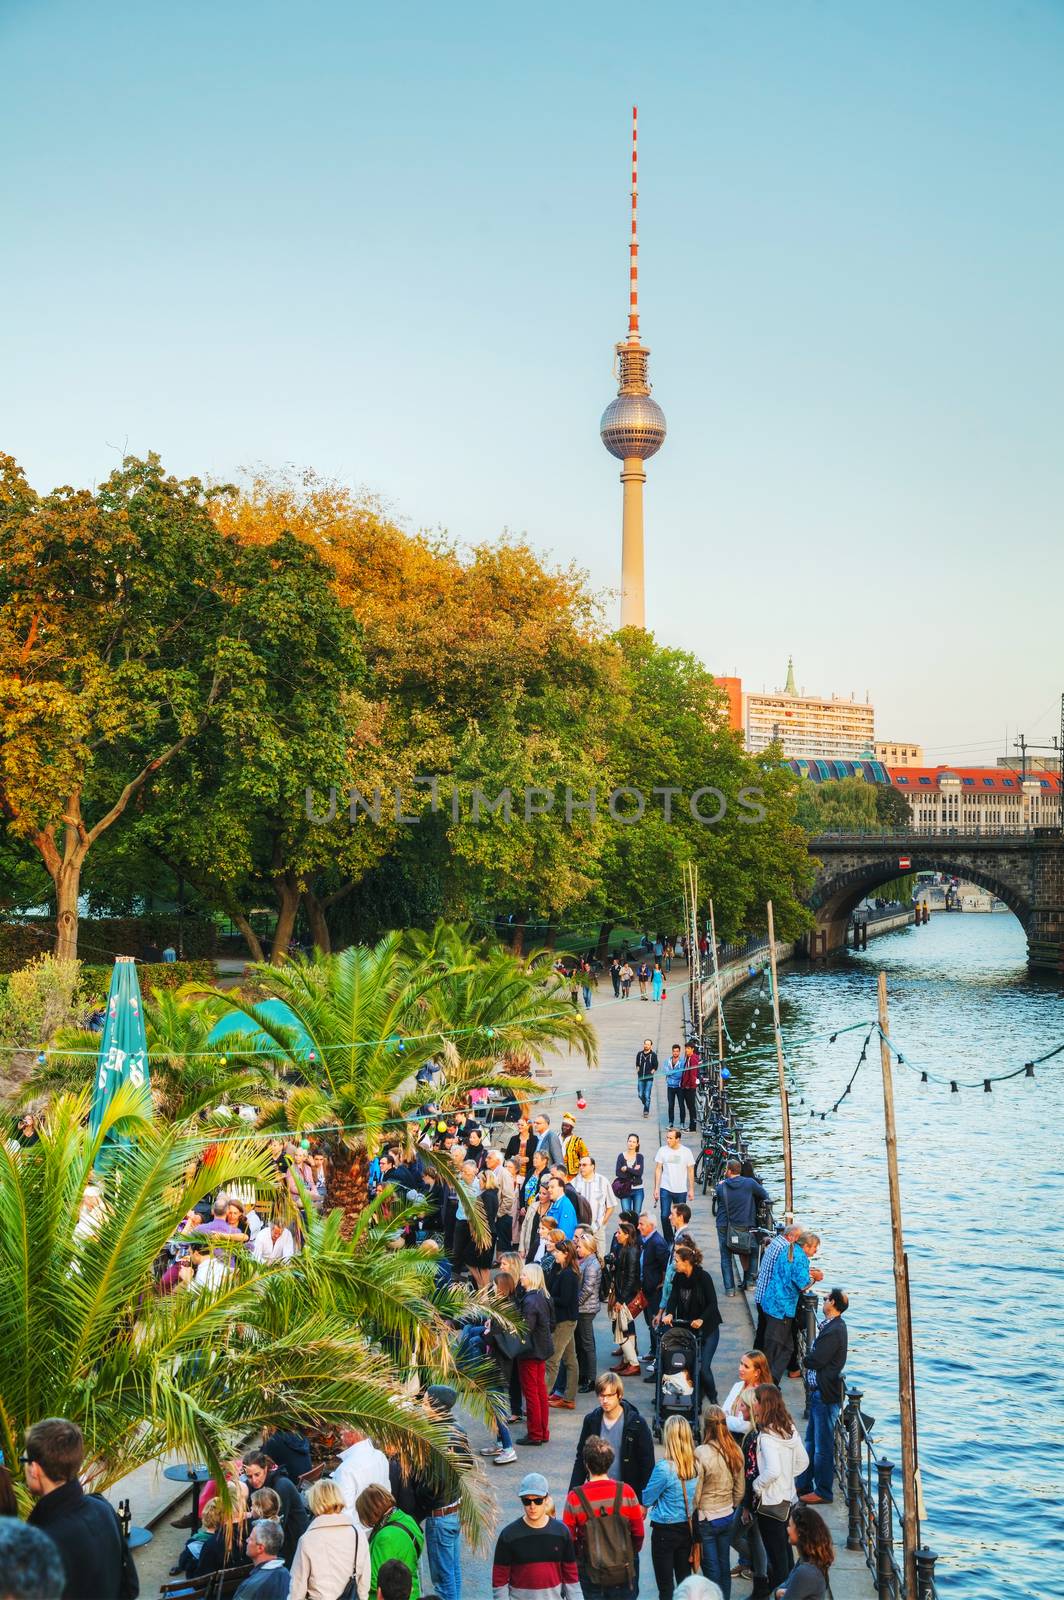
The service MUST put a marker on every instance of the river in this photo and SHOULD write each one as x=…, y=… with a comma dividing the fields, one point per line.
x=982, y=1180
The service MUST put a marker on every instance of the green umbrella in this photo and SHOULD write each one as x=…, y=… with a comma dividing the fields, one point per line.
x=124, y=1047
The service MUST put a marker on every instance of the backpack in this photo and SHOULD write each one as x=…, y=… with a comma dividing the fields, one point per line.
x=583, y=1207
x=608, y=1557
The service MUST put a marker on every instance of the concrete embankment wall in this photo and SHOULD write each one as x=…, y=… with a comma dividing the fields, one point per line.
x=900, y=919
x=735, y=973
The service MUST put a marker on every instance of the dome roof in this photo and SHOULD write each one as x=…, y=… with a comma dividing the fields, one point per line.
x=633, y=425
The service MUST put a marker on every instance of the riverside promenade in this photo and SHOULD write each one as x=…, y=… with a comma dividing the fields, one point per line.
x=613, y=1112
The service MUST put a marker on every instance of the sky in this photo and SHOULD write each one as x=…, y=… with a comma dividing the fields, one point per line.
x=390, y=243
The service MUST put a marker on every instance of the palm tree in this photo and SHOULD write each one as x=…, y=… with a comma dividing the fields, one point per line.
x=375, y=1015
x=189, y=1074
x=325, y=1339
x=497, y=1006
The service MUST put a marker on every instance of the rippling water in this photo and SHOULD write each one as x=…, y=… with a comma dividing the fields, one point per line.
x=982, y=1179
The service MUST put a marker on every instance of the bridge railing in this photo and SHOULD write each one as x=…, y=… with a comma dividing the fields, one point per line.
x=905, y=836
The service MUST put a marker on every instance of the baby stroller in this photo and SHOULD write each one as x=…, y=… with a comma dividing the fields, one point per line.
x=678, y=1378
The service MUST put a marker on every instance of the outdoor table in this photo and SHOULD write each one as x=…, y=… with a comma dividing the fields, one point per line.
x=137, y=1537
x=182, y=1472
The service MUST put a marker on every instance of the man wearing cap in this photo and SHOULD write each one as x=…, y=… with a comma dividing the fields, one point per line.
x=535, y=1558
x=573, y=1147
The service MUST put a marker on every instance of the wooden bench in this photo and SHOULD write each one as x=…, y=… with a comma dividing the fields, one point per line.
x=213, y=1586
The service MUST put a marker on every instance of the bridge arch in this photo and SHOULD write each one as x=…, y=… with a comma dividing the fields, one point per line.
x=850, y=870
x=838, y=895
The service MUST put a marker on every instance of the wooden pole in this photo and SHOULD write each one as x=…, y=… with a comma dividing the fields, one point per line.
x=785, y=1110
x=716, y=974
x=910, y=1517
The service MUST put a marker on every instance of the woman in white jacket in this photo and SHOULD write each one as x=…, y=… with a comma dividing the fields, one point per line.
x=330, y=1551
x=780, y=1458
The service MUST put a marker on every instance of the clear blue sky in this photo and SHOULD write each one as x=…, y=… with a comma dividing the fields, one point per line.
x=389, y=242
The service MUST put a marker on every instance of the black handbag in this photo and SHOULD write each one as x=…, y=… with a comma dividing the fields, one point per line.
x=350, y=1588
x=739, y=1241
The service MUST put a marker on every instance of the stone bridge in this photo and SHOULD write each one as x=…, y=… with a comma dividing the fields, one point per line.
x=1024, y=869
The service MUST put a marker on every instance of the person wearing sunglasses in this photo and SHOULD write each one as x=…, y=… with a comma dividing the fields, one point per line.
x=535, y=1555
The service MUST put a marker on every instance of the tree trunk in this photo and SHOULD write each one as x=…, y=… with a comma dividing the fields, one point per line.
x=348, y=1186
x=319, y=927
x=251, y=938
x=288, y=893
x=67, y=893
x=603, y=948
x=551, y=940
x=517, y=939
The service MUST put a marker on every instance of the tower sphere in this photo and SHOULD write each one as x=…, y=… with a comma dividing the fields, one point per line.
x=633, y=426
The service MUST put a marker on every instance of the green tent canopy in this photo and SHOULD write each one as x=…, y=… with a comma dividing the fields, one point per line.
x=123, y=1054
x=236, y=1031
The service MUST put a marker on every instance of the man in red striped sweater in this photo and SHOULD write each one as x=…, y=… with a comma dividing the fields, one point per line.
x=600, y=1490
x=534, y=1556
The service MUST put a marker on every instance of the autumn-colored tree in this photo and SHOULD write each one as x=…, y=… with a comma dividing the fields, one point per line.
x=489, y=672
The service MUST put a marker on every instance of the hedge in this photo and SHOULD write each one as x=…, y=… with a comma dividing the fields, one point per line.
x=115, y=936
x=96, y=980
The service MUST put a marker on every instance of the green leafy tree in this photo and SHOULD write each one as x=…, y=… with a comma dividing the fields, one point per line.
x=842, y=804
x=671, y=736
x=129, y=625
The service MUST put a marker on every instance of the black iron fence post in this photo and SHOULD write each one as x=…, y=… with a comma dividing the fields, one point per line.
x=885, y=1574
x=807, y=1309
x=853, y=1468
x=925, y=1574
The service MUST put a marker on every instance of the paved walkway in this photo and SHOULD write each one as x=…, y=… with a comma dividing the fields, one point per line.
x=613, y=1112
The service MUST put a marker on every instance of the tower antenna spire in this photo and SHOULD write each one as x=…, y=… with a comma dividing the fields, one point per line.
x=633, y=300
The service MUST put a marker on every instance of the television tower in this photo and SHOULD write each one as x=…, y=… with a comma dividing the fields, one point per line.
x=633, y=429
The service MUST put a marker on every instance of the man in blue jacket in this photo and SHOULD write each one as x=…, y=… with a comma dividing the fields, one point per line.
x=791, y=1272
x=823, y=1365
x=737, y=1200
x=271, y=1578
x=561, y=1211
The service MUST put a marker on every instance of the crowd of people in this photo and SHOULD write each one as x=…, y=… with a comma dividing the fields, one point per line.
x=559, y=1248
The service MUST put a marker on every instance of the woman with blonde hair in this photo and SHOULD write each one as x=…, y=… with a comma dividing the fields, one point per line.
x=331, y=1551
x=393, y=1536
x=672, y=1495
x=753, y=1369
x=227, y=1545
x=723, y=1483
x=538, y=1311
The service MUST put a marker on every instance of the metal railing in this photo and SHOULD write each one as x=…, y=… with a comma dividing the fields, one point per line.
x=874, y=1516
